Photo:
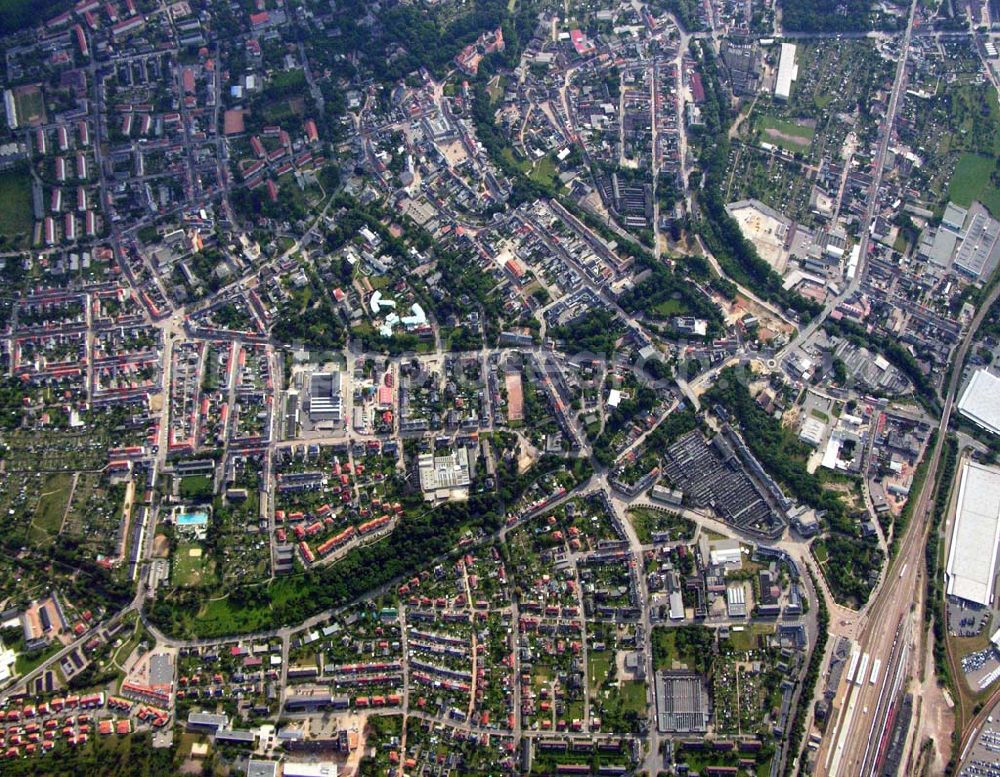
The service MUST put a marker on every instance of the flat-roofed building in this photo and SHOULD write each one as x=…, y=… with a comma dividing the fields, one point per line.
x=445, y=477
x=326, y=401
x=979, y=252
x=980, y=402
x=681, y=703
x=207, y=721
x=954, y=217
x=972, y=558
x=235, y=736
x=262, y=768
x=303, y=769
x=787, y=72
x=736, y=600
x=308, y=697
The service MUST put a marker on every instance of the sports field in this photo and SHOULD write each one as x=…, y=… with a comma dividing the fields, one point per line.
x=789, y=135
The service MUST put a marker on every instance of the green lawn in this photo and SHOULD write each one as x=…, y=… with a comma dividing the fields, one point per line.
x=633, y=694
x=496, y=90
x=544, y=171
x=55, y=493
x=26, y=662
x=747, y=639
x=16, y=215
x=277, y=111
x=793, y=137
x=971, y=181
x=196, y=487
x=671, y=307
x=216, y=617
x=189, y=570
x=598, y=665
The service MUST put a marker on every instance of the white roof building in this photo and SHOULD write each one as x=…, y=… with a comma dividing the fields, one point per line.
x=973, y=555
x=726, y=552
x=980, y=401
x=812, y=431
x=446, y=476
x=302, y=769
x=787, y=72
x=736, y=600
x=676, y=606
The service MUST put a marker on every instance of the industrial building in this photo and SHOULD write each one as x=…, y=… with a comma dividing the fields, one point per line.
x=736, y=600
x=681, y=703
x=326, y=401
x=726, y=553
x=787, y=72
x=973, y=553
x=968, y=241
x=980, y=402
x=979, y=252
x=445, y=477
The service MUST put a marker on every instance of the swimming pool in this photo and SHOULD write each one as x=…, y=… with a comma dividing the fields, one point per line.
x=192, y=519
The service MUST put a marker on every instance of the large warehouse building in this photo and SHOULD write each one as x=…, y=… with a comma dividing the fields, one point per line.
x=788, y=71
x=325, y=400
x=976, y=535
x=681, y=703
x=980, y=401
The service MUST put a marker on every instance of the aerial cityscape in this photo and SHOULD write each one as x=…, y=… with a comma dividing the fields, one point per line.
x=500, y=387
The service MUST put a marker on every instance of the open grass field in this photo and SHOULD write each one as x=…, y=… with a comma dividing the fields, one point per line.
x=217, y=617
x=598, y=666
x=670, y=307
x=787, y=134
x=196, y=487
x=633, y=694
x=30, y=105
x=748, y=639
x=190, y=565
x=543, y=171
x=27, y=662
x=971, y=181
x=16, y=215
x=55, y=495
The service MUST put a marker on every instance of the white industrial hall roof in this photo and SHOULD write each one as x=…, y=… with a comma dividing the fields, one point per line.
x=980, y=401
x=976, y=535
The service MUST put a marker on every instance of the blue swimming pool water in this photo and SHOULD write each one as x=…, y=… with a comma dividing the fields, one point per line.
x=192, y=519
